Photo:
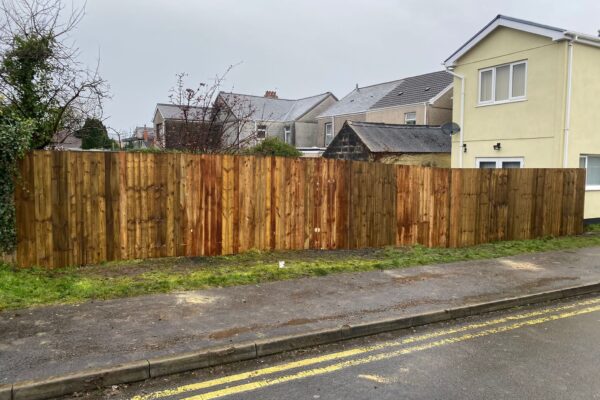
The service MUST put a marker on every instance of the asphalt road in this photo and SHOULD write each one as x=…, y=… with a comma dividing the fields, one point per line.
x=549, y=351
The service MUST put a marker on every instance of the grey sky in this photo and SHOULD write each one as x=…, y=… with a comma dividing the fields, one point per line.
x=299, y=48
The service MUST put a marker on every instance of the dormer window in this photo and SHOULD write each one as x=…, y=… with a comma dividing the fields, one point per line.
x=503, y=83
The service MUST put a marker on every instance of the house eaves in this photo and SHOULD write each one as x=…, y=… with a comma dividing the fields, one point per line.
x=552, y=32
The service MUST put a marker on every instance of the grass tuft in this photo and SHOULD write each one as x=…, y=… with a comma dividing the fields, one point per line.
x=20, y=288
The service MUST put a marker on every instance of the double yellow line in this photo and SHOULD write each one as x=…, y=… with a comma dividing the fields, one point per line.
x=543, y=316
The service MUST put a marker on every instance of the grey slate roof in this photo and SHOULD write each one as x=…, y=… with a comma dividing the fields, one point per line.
x=390, y=94
x=391, y=138
x=270, y=109
x=172, y=111
x=360, y=100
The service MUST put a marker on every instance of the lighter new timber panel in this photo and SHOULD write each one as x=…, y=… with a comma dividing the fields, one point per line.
x=77, y=208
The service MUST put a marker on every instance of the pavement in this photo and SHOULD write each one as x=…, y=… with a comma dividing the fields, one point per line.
x=547, y=351
x=56, y=340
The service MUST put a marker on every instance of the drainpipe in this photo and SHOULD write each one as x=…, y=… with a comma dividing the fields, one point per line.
x=425, y=117
x=568, y=103
x=462, y=115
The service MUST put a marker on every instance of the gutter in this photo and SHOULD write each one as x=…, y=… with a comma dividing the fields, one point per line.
x=462, y=114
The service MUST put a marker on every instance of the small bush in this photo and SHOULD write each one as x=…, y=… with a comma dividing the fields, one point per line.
x=274, y=147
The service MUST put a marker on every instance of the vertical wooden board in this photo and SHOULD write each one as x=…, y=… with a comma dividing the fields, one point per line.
x=179, y=219
x=122, y=188
x=484, y=208
x=153, y=191
x=112, y=198
x=227, y=205
x=309, y=204
x=217, y=225
x=568, y=201
x=43, y=208
x=161, y=173
x=579, y=201
x=537, y=216
x=59, y=211
x=25, y=251
x=441, y=220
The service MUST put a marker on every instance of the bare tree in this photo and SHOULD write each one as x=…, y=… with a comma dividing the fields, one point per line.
x=207, y=123
x=41, y=77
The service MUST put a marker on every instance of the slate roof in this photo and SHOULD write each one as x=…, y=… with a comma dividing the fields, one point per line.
x=360, y=99
x=65, y=140
x=392, y=138
x=271, y=109
x=412, y=90
x=172, y=111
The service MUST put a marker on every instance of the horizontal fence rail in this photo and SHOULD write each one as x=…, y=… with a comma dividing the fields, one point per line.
x=76, y=208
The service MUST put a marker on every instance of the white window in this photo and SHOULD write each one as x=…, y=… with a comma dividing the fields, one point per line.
x=261, y=131
x=410, y=118
x=503, y=83
x=592, y=173
x=328, y=133
x=500, y=162
x=287, y=134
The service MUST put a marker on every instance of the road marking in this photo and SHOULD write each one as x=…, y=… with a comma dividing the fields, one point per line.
x=376, y=378
x=353, y=352
x=383, y=356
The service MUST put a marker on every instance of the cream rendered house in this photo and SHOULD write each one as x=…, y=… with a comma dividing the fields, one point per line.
x=527, y=95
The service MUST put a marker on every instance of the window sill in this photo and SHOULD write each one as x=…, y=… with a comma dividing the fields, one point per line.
x=592, y=188
x=497, y=103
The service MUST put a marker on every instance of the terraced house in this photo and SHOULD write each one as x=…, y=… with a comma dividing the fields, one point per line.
x=418, y=100
x=291, y=120
x=526, y=95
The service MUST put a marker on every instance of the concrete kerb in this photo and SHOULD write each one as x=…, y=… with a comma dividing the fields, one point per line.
x=189, y=361
x=137, y=371
x=86, y=380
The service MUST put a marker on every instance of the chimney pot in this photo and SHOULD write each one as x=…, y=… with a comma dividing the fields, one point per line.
x=271, y=94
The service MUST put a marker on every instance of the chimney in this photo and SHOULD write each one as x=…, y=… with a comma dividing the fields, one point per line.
x=271, y=94
x=145, y=134
x=357, y=88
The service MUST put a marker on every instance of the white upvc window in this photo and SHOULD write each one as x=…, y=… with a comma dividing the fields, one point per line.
x=591, y=163
x=287, y=134
x=328, y=133
x=410, y=118
x=503, y=83
x=499, y=162
x=261, y=131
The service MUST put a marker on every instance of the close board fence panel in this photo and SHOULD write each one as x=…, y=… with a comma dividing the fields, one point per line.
x=77, y=208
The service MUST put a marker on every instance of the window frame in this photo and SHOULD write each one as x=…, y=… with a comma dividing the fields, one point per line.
x=330, y=126
x=410, y=121
x=287, y=134
x=585, y=156
x=511, y=98
x=500, y=160
x=261, y=128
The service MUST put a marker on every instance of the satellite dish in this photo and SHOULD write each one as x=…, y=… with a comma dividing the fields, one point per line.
x=450, y=128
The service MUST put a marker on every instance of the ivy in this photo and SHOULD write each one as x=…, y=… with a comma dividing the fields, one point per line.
x=15, y=141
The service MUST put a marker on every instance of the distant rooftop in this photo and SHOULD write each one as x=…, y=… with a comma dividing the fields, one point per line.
x=174, y=111
x=271, y=108
x=412, y=90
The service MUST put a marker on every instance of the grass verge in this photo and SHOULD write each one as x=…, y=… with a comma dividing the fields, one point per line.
x=20, y=288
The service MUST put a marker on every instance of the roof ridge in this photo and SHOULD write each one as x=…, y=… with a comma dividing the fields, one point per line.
x=271, y=98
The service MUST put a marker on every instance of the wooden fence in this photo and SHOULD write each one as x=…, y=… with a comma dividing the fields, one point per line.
x=87, y=207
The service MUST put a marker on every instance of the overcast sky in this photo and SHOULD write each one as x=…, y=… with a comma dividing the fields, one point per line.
x=298, y=48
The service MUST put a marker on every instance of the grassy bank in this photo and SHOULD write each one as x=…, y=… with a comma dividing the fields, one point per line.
x=21, y=288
